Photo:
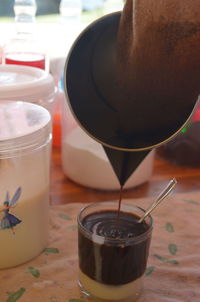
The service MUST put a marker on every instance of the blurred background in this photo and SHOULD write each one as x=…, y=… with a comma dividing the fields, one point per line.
x=48, y=7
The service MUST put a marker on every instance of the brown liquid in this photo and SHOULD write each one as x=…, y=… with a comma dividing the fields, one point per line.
x=119, y=206
x=118, y=260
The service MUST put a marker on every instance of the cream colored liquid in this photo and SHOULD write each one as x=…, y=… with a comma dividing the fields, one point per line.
x=101, y=292
x=30, y=236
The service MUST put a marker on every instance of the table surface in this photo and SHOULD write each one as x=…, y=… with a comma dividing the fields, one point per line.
x=65, y=191
x=174, y=259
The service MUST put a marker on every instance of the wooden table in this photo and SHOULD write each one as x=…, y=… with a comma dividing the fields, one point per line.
x=65, y=191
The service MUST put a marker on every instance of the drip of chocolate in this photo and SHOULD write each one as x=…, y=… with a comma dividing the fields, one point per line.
x=119, y=207
x=124, y=163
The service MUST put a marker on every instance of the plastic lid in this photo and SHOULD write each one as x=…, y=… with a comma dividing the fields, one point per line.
x=25, y=83
x=23, y=126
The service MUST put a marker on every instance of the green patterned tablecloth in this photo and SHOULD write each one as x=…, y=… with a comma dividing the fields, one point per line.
x=172, y=275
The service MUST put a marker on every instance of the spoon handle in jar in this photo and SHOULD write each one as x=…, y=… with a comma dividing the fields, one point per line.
x=162, y=195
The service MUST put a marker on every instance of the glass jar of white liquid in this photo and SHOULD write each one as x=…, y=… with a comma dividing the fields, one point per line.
x=25, y=145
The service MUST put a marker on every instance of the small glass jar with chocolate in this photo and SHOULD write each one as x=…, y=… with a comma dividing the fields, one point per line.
x=113, y=251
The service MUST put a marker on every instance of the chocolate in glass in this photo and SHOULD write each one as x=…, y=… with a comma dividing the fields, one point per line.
x=113, y=251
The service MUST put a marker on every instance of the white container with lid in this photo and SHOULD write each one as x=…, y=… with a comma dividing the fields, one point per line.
x=25, y=146
x=23, y=83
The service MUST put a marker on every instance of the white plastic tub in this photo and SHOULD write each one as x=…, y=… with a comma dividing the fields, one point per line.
x=28, y=84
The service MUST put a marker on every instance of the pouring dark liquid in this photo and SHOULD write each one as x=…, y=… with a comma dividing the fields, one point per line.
x=119, y=207
x=133, y=96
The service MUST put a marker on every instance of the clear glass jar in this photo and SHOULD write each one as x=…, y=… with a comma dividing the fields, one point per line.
x=26, y=47
x=70, y=11
x=113, y=253
x=25, y=145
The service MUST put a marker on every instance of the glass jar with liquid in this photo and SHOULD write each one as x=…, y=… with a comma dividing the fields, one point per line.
x=26, y=47
x=25, y=146
x=23, y=49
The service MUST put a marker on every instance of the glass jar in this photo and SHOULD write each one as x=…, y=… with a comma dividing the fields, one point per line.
x=25, y=145
x=113, y=253
x=26, y=47
x=70, y=11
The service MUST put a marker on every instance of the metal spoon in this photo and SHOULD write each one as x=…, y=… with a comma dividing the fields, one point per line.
x=162, y=196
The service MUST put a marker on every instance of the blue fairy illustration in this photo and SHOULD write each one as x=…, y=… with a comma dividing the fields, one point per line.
x=9, y=221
